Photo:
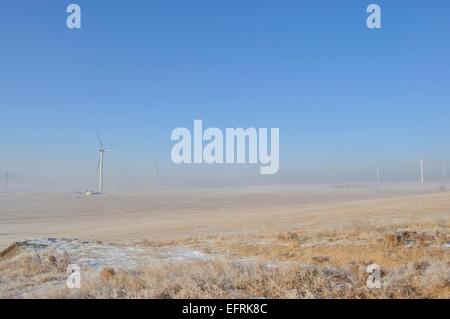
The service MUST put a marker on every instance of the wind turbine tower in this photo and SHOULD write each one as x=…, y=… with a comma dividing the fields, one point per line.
x=378, y=176
x=102, y=151
x=155, y=172
x=421, y=168
x=6, y=181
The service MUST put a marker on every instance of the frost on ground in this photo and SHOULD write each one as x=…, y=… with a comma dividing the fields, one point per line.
x=40, y=264
x=268, y=241
x=97, y=254
x=294, y=264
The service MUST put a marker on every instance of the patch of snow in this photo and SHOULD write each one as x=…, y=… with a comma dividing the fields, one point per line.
x=182, y=253
x=97, y=254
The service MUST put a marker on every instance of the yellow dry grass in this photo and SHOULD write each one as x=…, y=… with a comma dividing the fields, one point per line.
x=321, y=253
x=284, y=265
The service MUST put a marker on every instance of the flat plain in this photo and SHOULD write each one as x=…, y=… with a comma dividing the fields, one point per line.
x=290, y=241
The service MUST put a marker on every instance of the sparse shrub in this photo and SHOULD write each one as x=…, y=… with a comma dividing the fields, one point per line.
x=107, y=273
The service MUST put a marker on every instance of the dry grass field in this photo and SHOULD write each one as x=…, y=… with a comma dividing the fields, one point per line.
x=249, y=242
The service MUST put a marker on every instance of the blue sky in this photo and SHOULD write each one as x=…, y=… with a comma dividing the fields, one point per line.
x=346, y=98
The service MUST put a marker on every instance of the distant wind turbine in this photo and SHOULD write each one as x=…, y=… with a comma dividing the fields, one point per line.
x=155, y=172
x=421, y=168
x=102, y=151
x=6, y=181
x=378, y=176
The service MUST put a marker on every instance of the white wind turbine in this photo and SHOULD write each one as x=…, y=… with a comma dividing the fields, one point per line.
x=6, y=181
x=155, y=172
x=421, y=168
x=102, y=151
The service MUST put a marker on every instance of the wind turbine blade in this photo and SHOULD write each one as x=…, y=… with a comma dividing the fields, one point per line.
x=99, y=140
x=98, y=166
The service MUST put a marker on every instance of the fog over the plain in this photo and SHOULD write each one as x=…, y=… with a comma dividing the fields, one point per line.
x=119, y=177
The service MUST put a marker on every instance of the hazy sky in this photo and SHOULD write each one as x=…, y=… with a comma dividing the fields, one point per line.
x=346, y=98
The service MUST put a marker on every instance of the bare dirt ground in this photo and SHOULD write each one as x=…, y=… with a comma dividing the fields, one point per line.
x=255, y=241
